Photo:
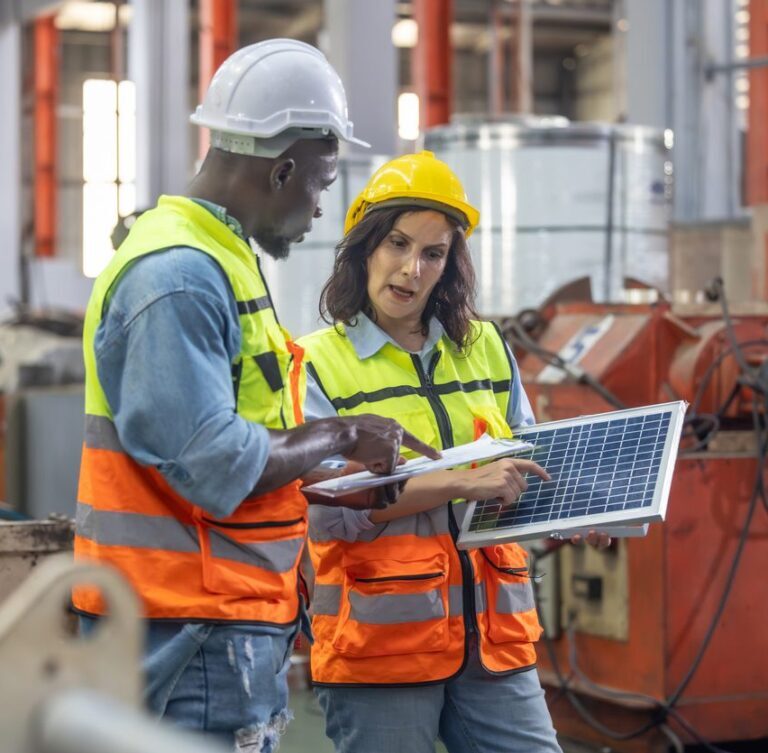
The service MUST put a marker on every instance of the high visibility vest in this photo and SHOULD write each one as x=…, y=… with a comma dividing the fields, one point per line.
x=396, y=605
x=184, y=563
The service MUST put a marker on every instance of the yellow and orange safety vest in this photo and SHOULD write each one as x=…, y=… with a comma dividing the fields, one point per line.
x=183, y=563
x=396, y=605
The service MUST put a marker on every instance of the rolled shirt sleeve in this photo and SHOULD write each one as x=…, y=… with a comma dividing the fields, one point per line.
x=164, y=353
x=519, y=411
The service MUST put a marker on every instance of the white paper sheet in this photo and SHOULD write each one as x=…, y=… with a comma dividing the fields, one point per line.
x=485, y=448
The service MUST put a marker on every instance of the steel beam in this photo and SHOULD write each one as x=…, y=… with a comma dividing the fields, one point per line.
x=218, y=40
x=46, y=81
x=10, y=149
x=432, y=61
x=669, y=47
x=158, y=62
x=757, y=137
x=357, y=40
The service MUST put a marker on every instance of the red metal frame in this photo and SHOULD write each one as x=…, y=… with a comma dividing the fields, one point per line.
x=432, y=61
x=46, y=85
x=757, y=136
x=218, y=40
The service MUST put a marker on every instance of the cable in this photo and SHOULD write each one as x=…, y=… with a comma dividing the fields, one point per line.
x=515, y=330
x=666, y=709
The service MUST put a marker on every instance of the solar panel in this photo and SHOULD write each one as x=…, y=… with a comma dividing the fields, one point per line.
x=610, y=468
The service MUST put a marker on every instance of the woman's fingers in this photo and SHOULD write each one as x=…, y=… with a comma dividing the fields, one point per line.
x=528, y=466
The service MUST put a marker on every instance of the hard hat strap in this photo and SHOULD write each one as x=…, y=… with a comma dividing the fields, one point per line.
x=411, y=203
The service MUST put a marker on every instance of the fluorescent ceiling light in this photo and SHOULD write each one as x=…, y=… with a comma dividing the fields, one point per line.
x=408, y=116
x=405, y=33
x=79, y=15
x=109, y=152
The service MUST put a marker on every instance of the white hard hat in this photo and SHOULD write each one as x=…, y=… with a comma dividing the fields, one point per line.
x=268, y=95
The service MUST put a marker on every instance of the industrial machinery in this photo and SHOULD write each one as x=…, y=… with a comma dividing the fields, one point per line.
x=661, y=639
x=74, y=694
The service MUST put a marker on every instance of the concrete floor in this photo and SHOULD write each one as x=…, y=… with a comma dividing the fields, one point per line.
x=306, y=734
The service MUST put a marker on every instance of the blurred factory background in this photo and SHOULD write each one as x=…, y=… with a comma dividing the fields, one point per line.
x=618, y=153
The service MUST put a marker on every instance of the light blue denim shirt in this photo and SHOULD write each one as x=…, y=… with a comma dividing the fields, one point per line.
x=368, y=339
x=164, y=350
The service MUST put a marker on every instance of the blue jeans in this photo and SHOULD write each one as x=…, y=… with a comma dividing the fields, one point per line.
x=228, y=681
x=474, y=713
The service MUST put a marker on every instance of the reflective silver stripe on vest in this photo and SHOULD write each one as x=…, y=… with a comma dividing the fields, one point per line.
x=275, y=556
x=392, y=609
x=100, y=434
x=514, y=597
x=134, y=530
x=326, y=600
x=480, y=597
x=159, y=532
x=455, y=601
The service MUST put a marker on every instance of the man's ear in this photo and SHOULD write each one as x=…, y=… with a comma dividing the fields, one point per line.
x=281, y=173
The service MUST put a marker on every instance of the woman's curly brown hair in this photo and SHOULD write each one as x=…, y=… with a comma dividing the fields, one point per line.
x=452, y=301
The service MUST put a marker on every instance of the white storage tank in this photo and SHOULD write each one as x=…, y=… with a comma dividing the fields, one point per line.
x=561, y=200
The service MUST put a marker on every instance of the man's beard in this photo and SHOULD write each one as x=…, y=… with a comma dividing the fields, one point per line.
x=277, y=248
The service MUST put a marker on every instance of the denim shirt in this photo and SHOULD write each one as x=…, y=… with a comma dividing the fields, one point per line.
x=164, y=350
x=368, y=339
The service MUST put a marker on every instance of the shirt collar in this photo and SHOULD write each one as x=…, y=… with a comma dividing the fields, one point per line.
x=220, y=213
x=368, y=338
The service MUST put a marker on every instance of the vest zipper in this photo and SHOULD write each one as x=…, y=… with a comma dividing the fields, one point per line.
x=467, y=578
x=266, y=524
x=427, y=381
x=425, y=576
x=446, y=437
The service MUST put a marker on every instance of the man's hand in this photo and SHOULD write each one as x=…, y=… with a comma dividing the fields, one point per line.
x=378, y=443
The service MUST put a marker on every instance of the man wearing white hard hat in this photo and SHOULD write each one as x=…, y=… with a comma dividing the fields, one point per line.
x=195, y=441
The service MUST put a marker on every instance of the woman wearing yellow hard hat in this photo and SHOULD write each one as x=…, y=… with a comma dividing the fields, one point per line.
x=415, y=639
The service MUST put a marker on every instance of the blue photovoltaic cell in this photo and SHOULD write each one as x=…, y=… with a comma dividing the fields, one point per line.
x=597, y=467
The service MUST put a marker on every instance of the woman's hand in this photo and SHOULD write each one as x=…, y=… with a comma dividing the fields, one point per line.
x=597, y=539
x=503, y=480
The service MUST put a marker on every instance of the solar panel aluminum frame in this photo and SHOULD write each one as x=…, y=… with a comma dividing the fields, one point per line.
x=563, y=527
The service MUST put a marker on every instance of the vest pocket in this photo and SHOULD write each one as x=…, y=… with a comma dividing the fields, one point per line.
x=510, y=606
x=393, y=607
x=251, y=559
x=491, y=421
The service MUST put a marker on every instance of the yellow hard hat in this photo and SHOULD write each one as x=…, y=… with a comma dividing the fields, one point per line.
x=415, y=180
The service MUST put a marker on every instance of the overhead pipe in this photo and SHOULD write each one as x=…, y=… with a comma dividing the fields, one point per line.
x=218, y=40
x=46, y=86
x=432, y=60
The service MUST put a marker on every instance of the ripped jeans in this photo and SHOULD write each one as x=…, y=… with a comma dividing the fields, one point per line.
x=229, y=681
x=226, y=680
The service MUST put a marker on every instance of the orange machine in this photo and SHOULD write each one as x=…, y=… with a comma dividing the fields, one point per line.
x=628, y=624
